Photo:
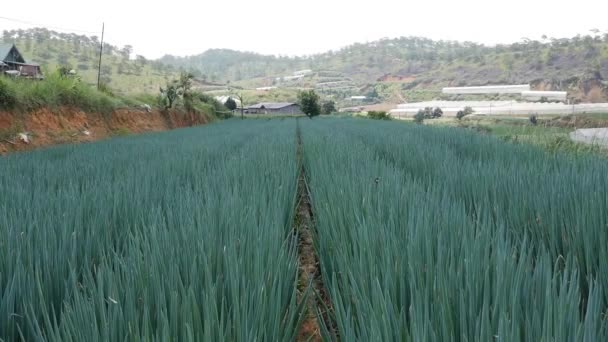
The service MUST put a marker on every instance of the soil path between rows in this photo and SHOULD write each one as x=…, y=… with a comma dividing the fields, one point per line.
x=308, y=261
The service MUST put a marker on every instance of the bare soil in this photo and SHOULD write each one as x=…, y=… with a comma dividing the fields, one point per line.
x=48, y=127
x=309, y=268
x=308, y=264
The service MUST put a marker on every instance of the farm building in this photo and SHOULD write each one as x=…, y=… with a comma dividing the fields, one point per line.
x=274, y=108
x=13, y=63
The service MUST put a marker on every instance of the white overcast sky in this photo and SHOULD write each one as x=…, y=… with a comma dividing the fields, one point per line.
x=187, y=27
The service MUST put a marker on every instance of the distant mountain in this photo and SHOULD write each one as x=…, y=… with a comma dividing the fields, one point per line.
x=412, y=68
x=51, y=49
x=229, y=65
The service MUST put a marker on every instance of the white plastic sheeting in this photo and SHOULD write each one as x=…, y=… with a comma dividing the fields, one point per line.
x=222, y=99
x=596, y=136
x=450, y=108
x=495, y=89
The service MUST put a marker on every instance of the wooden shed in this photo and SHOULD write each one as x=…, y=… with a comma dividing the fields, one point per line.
x=13, y=63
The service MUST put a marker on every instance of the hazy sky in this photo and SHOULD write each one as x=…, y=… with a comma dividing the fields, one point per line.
x=186, y=27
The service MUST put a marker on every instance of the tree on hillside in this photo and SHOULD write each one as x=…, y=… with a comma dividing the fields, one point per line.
x=184, y=85
x=126, y=51
x=309, y=103
x=141, y=60
x=428, y=112
x=230, y=104
x=372, y=94
x=63, y=58
x=185, y=82
x=176, y=89
x=328, y=107
x=239, y=96
x=242, y=101
x=6, y=36
x=28, y=45
x=437, y=113
x=168, y=95
x=419, y=117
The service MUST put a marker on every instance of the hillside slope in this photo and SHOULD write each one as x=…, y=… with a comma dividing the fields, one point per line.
x=389, y=70
x=413, y=68
x=51, y=49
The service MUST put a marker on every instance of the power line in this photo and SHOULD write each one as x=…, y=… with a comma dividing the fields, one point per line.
x=48, y=26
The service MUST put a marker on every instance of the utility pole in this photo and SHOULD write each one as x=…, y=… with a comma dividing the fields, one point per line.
x=240, y=96
x=100, y=54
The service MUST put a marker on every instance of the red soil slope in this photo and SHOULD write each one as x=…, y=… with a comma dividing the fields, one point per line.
x=66, y=125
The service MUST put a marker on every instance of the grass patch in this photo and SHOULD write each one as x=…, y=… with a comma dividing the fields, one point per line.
x=22, y=95
x=121, y=132
x=518, y=130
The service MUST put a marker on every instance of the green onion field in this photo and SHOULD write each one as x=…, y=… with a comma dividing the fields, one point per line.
x=421, y=233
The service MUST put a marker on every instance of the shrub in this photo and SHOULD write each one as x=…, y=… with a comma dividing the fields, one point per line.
x=328, y=107
x=210, y=100
x=64, y=70
x=230, y=104
x=419, y=117
x=379, y=115
x=168, y=95
x=462, y=113
x=105, y=88
x=437, y=113
x=7, y=94
x=428, y=112
x=309, y=103
x=533, y=119
x=55, y=91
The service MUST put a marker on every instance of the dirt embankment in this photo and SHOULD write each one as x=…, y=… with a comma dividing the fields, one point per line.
x=47, y=127
x=584, y=90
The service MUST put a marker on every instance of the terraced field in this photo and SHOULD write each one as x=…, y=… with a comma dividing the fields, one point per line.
x=421, y=234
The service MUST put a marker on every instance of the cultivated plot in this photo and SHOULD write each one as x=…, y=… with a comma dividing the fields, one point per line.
x=435, y=234
x=421, y=234
x=182, y=236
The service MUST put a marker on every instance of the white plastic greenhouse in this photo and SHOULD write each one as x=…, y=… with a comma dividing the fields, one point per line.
x=495, y=89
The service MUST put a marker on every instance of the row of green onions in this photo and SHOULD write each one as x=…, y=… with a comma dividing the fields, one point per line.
x=178, y=236
x=439, y=234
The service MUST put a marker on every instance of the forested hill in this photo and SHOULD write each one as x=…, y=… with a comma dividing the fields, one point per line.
x=388, y=70
x=578, y=64
x=229, y=65
x=51, y=49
